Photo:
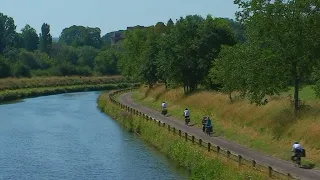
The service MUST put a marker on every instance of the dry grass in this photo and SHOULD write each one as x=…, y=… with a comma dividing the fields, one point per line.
x=271, y=128
x=19, y=83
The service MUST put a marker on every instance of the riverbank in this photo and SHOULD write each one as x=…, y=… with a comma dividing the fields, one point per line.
x=269, y=129
x=12, y=95
x=203, y=165
x=37, y=82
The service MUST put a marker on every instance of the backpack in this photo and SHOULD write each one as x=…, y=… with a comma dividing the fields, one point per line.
x=303, y=153
x=203, y=120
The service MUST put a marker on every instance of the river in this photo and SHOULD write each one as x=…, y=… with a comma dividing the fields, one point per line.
x=66, y=137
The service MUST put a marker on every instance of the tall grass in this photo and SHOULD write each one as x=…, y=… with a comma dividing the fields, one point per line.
x=11, y=95
x=271, y=128
x=203, y=165
x=19, y=83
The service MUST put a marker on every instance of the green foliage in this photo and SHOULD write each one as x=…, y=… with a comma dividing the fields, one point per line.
x=11, y=95
x=7, y=32
x=178, y=53
x=5, y=69
x=105, y=63
x=81, y=36
x=45, y=38
x=281, y=49
x=75, y=54
x=30, y=38
x=130, y=61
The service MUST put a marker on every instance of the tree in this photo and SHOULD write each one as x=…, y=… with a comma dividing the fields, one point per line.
x=288, y=29
x=30, y=38
x=130, y=59
x=105, y=63
x=170, y=23
x=187, y=51
x=5, y=68
x=228, y=70
x=81, y=36
x=148, y=71
x=18, y=41
x=7, y=32
x=86, y=55
x=45, y=38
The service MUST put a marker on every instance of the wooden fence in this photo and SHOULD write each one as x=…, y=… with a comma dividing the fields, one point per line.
x=241, y=161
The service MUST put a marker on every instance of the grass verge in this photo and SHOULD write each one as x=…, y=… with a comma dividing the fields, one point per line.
x=19, y=83
x=12, y=95
x=269, y=129
x=201, y=163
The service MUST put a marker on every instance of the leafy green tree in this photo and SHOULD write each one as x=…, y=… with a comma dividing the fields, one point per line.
x=105, y=63
x=288, y=29
x=30, y=38
x=20, y=70
x=7, y=32
x=45, y=38
x=228, y=70
x=5, y=68
x=18, y=41
x=148, y=71
x=81, y=36
x=187, y=51
x=130, y=59
x=62, y=53
x=170, y=23
x=86, y=56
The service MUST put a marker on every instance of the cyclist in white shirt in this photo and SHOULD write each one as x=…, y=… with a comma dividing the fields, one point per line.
x=163, y=105
x=297, y=150
x=186, y=114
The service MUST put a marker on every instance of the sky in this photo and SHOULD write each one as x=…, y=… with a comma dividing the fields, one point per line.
x=108, y=15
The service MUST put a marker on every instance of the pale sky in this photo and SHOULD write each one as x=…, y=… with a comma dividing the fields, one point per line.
x=106, y=14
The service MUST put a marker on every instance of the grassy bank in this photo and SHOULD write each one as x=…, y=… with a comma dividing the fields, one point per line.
x=11, y=95
x=19, y=83
x=270, y=129
x=203, y=165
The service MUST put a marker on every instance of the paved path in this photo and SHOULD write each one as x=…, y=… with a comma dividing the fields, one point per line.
x=223, y=143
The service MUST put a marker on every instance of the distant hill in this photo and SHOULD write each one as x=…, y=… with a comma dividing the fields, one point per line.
x=55, y=39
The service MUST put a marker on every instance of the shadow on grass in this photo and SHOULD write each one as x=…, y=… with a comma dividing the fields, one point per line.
x=146, y=94
x=159, y=95
x=308, y=166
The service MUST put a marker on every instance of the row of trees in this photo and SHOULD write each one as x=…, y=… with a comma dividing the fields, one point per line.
x=278, y=49
x=179, y=53
x=80, y=51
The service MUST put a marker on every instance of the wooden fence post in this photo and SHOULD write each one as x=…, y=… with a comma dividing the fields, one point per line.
x=239, y=159
x=270, y=171
x=228, y=153
x=174, y=130
x=192, y=139
x=179, y=132
x=209, y=146
x=169, y=128
x=218, y=149
x=200, y=142
x=186, y=136
x=254, y=163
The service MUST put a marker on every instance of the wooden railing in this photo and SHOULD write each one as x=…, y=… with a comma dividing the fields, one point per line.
x=240, y=160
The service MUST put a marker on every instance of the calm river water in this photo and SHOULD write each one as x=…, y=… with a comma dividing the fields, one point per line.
x=66, y=137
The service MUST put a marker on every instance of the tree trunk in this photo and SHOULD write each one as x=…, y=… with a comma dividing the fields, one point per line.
x=230, y=97
x=296, y=92
x=166, y=84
